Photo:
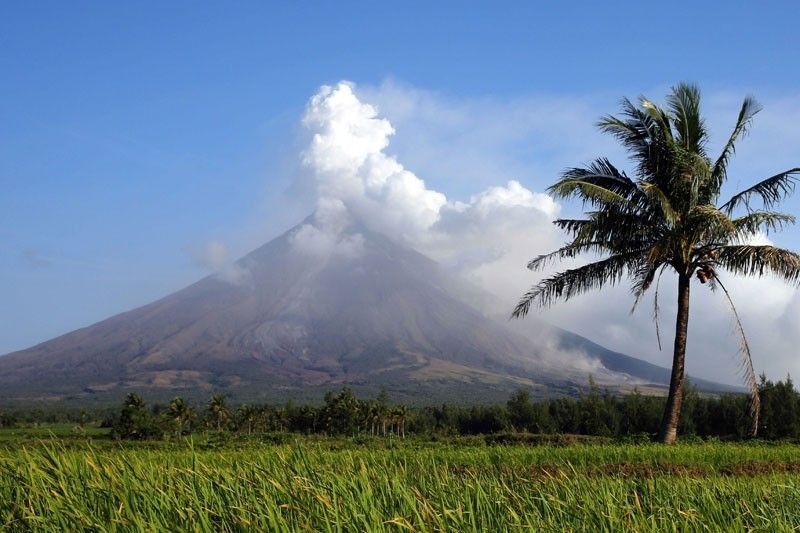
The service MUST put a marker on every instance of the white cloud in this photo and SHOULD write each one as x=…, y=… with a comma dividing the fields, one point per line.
x=356, y=177
x=346, y=156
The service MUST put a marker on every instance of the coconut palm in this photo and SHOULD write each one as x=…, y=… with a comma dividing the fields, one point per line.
x=246, y=416
x=668, y=217
x=402, y=416
x=181, y=413
x=217, y=410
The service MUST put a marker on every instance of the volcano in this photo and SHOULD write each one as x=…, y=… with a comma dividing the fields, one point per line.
x=291, y=324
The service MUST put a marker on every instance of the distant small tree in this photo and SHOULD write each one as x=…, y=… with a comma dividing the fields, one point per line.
x=6, y=420
x=283, y=416
x=180, y=415
x=402, y=415
x=597, y=416
x=396, y=416
x=640, y=414
x=689, y=410
x=381, y=410
x=217, y=412
x=246, y=417
x=520, y=410
x=780, y=409
x=135, y=421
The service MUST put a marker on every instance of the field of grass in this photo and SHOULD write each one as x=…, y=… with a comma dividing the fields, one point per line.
x=341, y=485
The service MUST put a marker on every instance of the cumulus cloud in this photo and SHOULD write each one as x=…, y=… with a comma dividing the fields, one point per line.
x=347, y=158
x=359, y=182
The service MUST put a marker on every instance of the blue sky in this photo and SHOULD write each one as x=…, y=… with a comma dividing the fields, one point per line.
x=132, y=133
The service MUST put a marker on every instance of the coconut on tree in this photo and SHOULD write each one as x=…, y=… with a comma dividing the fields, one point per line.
x=668, y=215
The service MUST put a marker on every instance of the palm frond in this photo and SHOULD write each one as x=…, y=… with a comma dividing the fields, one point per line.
x=587, y=191
x=607, y=223
x=603, y=173
x=568, y=251
x=684, y=103
x=660, y=200
x=657, y=308
x=633, y=133
x=750, y=107
x=573, y=226
x=659, y=116
x=753, y=260
x=771, y=191
x=746, y=363
x=642, y=280
x=570, y=283
x=709, y=224
x=761, y=221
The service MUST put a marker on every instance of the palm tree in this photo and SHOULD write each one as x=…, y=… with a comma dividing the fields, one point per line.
x=668, y=217
x=246, y=415
x=402, y=415
x=180, y=412
x=218, y=411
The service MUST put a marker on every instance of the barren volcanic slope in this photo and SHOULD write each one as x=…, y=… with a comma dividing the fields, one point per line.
x=294, y=325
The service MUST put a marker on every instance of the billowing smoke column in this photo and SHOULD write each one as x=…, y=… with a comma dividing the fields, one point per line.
x=486, y=238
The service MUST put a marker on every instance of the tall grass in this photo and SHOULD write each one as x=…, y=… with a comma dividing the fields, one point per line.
x=312, y=487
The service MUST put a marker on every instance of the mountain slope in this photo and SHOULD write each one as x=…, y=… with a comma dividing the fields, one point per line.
x=296, y=323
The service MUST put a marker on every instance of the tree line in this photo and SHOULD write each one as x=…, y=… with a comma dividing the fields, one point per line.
x=341, y=413
x=595, y=412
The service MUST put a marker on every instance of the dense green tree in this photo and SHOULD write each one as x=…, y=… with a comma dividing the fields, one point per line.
x=526, y=415
x=639, y=414
x=598, y=415
x=520, y=410
x=341, y=412
x=668, y=217
x=135, y=421
x=7, y=420
x=780, y=409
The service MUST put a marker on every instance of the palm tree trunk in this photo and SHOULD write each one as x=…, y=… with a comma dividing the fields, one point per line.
x=672, y=411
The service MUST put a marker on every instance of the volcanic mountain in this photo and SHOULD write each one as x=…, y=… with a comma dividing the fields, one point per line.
x=291, y=324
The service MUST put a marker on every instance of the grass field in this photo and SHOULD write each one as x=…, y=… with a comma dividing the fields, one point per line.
x=74, y=483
